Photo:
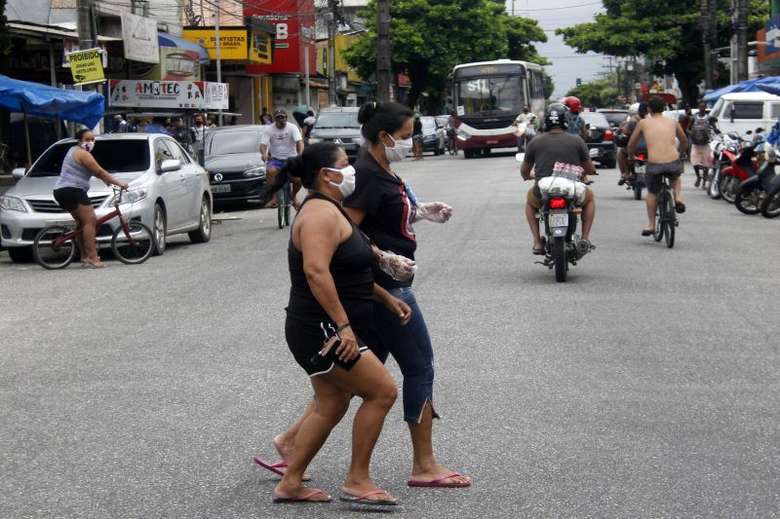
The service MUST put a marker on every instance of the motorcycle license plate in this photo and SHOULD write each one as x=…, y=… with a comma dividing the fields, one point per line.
x=594, y=152
x=639, y=168
x=559, y=220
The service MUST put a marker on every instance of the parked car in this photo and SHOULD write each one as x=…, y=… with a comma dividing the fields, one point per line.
x=745, y=111
x=339, y=125
x=614, y=116
x=433, y=135
x=169, y=192
x=232, y=158
x=600, y=139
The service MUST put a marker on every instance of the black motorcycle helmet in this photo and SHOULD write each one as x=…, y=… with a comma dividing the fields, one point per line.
x=556, y=116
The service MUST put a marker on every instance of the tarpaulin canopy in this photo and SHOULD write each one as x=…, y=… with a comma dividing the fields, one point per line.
x=169, y=40
x=55, y=103
x=751, y=85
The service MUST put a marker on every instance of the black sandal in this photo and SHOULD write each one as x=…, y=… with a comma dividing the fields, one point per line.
x=679, y=207
x=647, y=232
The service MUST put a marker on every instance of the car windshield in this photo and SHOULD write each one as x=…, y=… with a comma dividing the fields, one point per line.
x=337, y=120
x=491, y=94
x=229, y=143
x=595, y=119
x=615, y=118
x=115, y=156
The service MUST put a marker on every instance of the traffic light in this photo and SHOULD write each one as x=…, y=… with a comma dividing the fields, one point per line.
x=579, y=81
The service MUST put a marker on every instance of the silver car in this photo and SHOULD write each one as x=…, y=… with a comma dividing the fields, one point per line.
x=169, y=192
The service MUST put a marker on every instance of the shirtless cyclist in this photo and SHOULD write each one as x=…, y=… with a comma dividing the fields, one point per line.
x=666, y=141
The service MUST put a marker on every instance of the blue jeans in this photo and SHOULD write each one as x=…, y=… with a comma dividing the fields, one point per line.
x=411, y=348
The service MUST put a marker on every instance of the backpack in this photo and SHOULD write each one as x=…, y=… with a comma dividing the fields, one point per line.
x=700, y=130
x=575, y=124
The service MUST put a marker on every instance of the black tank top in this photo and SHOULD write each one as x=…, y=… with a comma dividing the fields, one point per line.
x=350, y=267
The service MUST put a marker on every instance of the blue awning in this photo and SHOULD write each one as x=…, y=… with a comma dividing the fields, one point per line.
x=85, y=107
x=751, y=85
x=169, y=40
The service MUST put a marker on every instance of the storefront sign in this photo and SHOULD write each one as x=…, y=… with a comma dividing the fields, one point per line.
x=294, y=23
x=175, y=65
x=140, y=38
x=261, y=51
x=86, y=66
x=216, y=95
x=69, y=46
x=168, y=94
x=234, y=44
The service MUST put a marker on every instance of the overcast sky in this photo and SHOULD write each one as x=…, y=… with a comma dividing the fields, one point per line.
x=567, y=65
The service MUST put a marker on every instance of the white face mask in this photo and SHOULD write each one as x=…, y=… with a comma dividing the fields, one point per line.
x=88, y=145
x=399, y=150
x=347, y=184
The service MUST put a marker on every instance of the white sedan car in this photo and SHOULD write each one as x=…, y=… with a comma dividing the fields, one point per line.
x=169, y=192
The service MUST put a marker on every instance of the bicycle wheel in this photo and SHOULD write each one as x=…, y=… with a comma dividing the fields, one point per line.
x=134, y=247
x=660, y=215
x=53, y=253
x=671, y=218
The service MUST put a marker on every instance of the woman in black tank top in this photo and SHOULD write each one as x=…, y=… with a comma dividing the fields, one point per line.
x=330, y=310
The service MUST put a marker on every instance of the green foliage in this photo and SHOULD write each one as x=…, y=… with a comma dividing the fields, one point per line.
x=430, y=37
x=668, y=31
x=5, y=39
x=599, y=93
x=549, y=86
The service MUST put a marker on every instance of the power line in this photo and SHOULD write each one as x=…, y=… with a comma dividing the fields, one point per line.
x=558, y=8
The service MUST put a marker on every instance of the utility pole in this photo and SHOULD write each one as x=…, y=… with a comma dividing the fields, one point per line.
x=383, y=68
x=86, y=36
x=706, y=20
x=218, y=51
x=332, y=28
x=740, y=26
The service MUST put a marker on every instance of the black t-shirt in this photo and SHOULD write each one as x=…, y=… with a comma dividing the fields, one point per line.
x=417, y=127
x=389, y=213
x=545, y=150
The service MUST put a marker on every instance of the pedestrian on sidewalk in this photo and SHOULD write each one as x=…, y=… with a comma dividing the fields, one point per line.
x=700, y=129
x=417, y=138
x=329, y=315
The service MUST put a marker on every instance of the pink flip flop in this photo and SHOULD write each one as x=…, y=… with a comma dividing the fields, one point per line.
x=438, y=482
x=276, y=468
x=304, y=498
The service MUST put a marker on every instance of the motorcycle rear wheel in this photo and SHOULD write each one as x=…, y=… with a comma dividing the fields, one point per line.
x=637, y=191
x=770, y=208
x=747, y=202
x=560, y=260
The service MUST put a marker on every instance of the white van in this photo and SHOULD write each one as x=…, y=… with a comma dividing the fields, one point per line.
x=746, y=111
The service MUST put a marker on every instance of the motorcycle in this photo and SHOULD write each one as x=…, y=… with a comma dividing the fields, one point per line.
x=741, y=168
x=561, y=195
x=636, y=180
x=725, y=150
x=753, y=191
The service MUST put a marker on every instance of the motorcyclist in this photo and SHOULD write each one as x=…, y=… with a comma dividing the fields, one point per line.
x=525, y=128
x=636, y=112
x=556, y=145
x=576, y=124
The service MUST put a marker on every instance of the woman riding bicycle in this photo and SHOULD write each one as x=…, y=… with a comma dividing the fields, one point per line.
x=70, y=192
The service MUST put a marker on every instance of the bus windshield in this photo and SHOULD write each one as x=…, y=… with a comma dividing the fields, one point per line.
x=487, y=95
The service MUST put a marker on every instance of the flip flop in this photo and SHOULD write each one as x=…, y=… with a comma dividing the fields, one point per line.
x=437, y=482
x=647, y=232
x=363, y=499
x=304, y=498
x=679, y=207
x=276, y=468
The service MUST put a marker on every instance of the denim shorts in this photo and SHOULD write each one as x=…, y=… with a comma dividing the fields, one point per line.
x=410, y=346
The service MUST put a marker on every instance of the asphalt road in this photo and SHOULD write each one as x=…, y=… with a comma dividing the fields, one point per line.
x=646, y=386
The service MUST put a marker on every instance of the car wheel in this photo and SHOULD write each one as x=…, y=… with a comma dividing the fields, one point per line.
x=203, y=233
x=21, y=254
x=160, y=227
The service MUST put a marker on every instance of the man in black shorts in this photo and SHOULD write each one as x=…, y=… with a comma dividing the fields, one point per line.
x=663, y=157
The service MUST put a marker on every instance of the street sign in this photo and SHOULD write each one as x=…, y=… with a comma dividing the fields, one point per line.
x=86, y=66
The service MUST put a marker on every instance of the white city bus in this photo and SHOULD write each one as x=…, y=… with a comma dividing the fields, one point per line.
x=488, y=96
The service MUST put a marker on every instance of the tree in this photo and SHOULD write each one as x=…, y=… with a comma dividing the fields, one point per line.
x=430, y=37
x=600, y=93
x=549, y=86
x=666, y=31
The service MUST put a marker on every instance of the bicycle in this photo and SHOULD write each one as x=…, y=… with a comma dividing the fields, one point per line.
x=132, y=242
x=665, y=214
x=284, y=202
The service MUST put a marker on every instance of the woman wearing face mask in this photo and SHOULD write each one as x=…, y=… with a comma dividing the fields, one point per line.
x=70, y=192
x=332, y=295
x=385, y=208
